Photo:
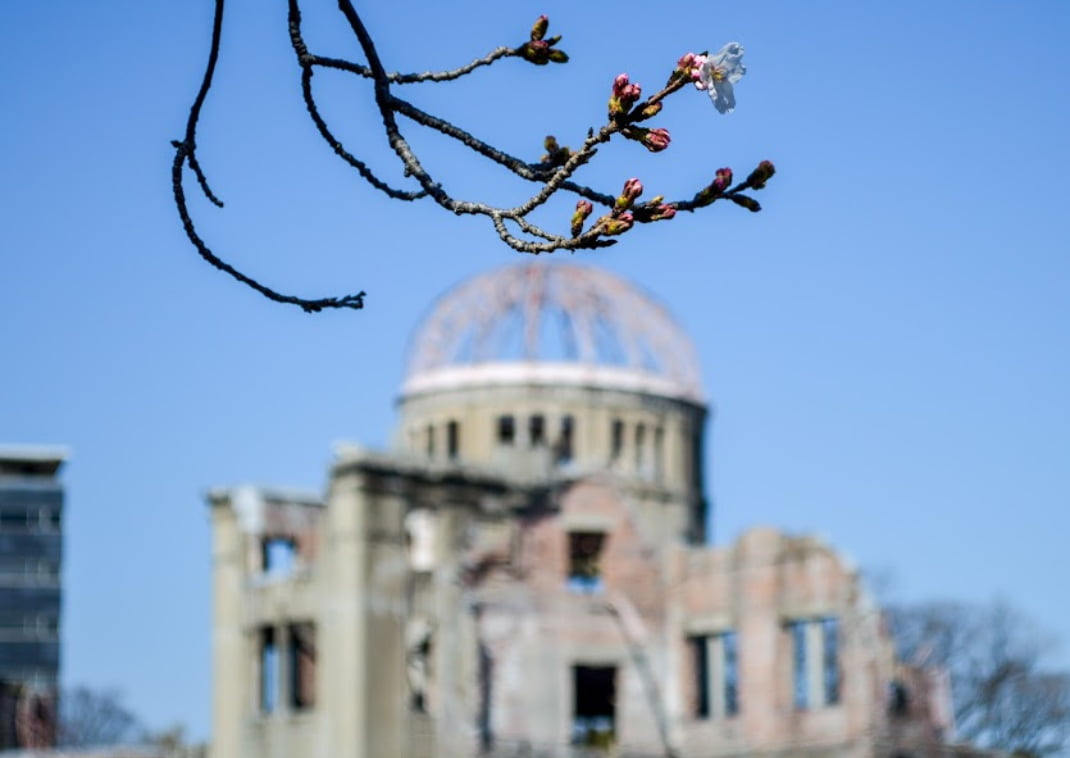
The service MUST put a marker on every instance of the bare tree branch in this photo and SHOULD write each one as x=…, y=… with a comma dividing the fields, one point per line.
x=554, y=172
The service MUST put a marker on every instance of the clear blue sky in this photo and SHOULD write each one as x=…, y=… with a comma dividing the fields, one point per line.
x=887, y=345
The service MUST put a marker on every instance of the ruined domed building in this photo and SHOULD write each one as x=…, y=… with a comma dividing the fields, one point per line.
x=527, y=572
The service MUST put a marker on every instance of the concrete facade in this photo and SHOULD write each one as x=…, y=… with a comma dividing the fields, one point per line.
x=527, y=572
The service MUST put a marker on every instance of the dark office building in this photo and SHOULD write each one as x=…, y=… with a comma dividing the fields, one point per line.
x=31, y=550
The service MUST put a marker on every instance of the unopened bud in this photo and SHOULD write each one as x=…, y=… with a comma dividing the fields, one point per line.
x=655, y=210
x=625, y=94
x=558, y=56
x=649, y=111
x=633, y=188
x=723, y=180
x=759, y=176
x=688, y=68
x=536, y=51
x=583, y=210
x=538, y=31
x=716, y=188
x=656, y=140
x=617, y=224
x=747, y=202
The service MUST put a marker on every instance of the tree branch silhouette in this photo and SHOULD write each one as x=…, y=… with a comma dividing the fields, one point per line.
x=554, y=172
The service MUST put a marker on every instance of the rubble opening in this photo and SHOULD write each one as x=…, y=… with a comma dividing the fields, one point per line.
x=279, y=554
x=302, y=654
x=584, y=561
x=594, y=697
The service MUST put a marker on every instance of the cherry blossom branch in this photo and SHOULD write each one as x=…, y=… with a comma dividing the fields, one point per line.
x=554, y=171
x=427, y=76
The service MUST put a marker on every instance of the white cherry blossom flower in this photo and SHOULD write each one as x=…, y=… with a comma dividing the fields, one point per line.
x=719, y=72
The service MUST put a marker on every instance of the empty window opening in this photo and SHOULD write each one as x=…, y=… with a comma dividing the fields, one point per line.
x=537, y=430
x=418, y=662
x=830, y=639
x=269, y=671
x=616, y=439
x=564, y=442
x=584, y=561
x=659, y=453
x=302, y=660
x=800, y=678
x=506, y=430
x=594, y=697
x=279, y=555
x=453, y=440
x=815, y=662
x=420, y=539
x=898, y=699
x=730, y=651
x=716, y=674
x=701, y=679
x=640, y=448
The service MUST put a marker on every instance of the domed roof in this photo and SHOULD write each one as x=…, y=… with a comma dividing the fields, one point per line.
x=547, y=322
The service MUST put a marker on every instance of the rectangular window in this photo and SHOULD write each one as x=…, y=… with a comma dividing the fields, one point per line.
x=302, y=655
x=15, y=520
x=506, y=430
x=716, y=674
x=616, y=439
x=429, y=440
x=815, y=661
x=830, y=638
x=564, y=443
x=279, y=556
x=453, y=440
x=584, y=561
x=269, y=671
x=537, y=430
x=800, y=669
x=594, y=701
x=701, y=675
x=659, y=453
x=640, y=448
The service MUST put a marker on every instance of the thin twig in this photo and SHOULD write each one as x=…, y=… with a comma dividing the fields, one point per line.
x=184, y=153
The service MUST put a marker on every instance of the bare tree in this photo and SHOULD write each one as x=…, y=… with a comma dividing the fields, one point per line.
x=91, y=718
x=627, y=115
x=1003, y=697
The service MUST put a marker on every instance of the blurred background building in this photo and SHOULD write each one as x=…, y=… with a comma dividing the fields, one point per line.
x=31, y=551
x=528, y=570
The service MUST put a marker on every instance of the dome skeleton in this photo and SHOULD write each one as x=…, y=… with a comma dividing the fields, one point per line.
x=554, y=314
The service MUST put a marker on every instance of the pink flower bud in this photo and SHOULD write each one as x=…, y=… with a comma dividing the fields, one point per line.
x=656, y=140
x=655, y=210
x=688, y=68
x=625, y=94
x=633, y=188
x=583, y=210
x=723, y=180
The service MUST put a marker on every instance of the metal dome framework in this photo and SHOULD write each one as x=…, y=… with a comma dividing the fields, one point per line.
x=547, y=321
